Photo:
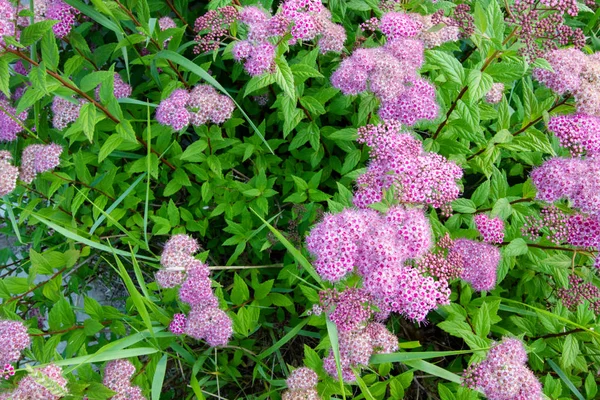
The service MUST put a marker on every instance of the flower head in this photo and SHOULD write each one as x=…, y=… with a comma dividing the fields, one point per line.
x=46, y=383
x=494, y=95
x=14, y=339
x=8, y=175
x=479, y=262
x=11, y=124
x=64, y=112
x=491, y=229
x=38, y=158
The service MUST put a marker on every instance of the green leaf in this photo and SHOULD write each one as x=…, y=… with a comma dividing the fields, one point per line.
x=159, y=377
x=312, y=105
x=109, y=145
x=304, y=71
x=286, y=338
x=240, y=292
x=482, y=321
x=87, y=115
x=479, y=84
x=259, y=82
x=516, y=247
x=4, y=77
x=434, y=370
x=591, y=388
x=449, y=65
x=570, y=351
x=464, y=206
x=34, y=32
x=50, y=51
x=284, y=77
x=332, y=332
x=402, y=357
x=565, y=379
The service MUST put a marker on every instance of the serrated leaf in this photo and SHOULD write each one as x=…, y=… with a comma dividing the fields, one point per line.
x=34, y=32
x=448, y=64
x=259, y=82
x=516, y=247
x=284, y=77
x=240, y=292
x=464, y=206
x=50, y=51
x=479, y=84
x=303, y=71
x=87, y=116
x=109, y=145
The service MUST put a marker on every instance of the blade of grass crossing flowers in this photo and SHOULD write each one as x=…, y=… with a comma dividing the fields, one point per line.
x=78, y=238
x=418, y=355
x=561, y=374
x=159, y=377
x=148, y=166
x=294, y=251
x=184, y=62
x=116, y=203
x=433, y=369
x=107, y=356
x=288, y=336
x=136, y=297
x=335, y=345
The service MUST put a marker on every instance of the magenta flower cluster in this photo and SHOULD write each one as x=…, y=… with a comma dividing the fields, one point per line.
x=302, y=385
x=557, y=226
x=64, y=112
x=491, y=229
x=504, y=374
x=117, y=377
x=11, y=124
x=399, y=163
x=578, y=293
x=576, y=73
x=575, y=179
x=578, y=132
x=46, y=383
x=477, y=261
x=206, y=321
x=197, y=107
x=64, y=13
x=8, y=15
x=8, y=174
x=390, y=72
x=38, y=158
x=379, y=246
x=212, y=28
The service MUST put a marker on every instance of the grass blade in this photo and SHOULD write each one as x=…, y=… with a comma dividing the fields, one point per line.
x=196, y=69
x=417, y=355
x=363, y=386
x=335, y=345
x=116, y=203
x=433, y=369
x=288, y=336
x=107, y=356
x=565, y=379
x=294, y=251
x=13, y=221
x=159, y=377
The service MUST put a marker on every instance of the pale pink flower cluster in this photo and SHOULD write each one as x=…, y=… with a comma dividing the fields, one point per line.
x=206, y=321
x=302, y=385
x=46, y=383
x=379, y=246
x=14, y=339
x=491, y=229
x=165, y=23
x=494, y=95
x=64, y=112
x=390, y=72
x=8, y=175
x=399, y=163
x=8, y=15
x=477, y=261
x=117, y=377
x=575, y=73
x=38, y=158
x=574, y=179
x=504, y=374
x=197, y=107
x=121, y=88
x=11, y=124
x=578, y=132
x=435, y=33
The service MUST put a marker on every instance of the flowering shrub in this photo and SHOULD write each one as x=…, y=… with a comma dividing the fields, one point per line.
x=299, y=199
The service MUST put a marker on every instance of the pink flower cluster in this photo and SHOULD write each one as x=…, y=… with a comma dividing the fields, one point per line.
x=494, y=95
x=574, y=179
x=478, y=262
x=504, y=375
x=121, y=88
x=578, y=293
x=212, y=28
x=579, y=133
x=197, y=107
x=302, y=385
x=575, y=73
x=8, y=175
x=357, y=347
x=461, y=18
x=10, y=123
x=390, y=72
x=8, y=15
x=379, y=246
x=38, y=158
x=64, y=112
x=117, y=377
x=64, y=13
x=491, y=229
x=559, y=227
x=14, y=339
x=310, y=19
x=45, y=383
x=541, y=25
x=399, y=163
x=205, y=320
x=165, y=23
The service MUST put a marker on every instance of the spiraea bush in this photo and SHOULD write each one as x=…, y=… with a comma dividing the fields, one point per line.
x=299, y=199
